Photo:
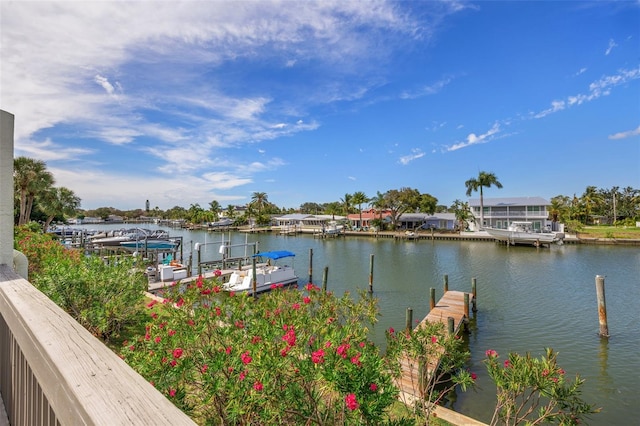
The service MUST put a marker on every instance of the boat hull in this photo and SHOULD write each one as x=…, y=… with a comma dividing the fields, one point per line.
x=524, y=238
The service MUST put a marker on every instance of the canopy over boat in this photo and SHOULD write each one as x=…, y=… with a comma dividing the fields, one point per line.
x=275, y=255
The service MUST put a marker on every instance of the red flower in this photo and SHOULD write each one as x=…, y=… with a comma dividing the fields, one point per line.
x=342, y=350
x=356, y=360
x=246, y=358
x=295, y=306
x=491, y=353
x=474, y=376
x=290, y=337
x=150, y=304
x=173, y=363
x=177, y=353
x=257, y=386
x=507, y=363
x=317, y=357
x=351, y=402
x=391, y=330
x=216, y=289
x=242, y=375
x=373, y=387
x=434, y=339
x=172, y=392
x=180, y=302
x=171, y=332
x=228, y=350
x=204, y=368
x=306, y=300
x=217, y=272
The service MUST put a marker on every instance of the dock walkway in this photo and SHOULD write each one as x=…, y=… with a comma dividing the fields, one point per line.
x=454, y=305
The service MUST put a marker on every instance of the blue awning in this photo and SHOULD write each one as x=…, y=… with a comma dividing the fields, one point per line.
x=275, y=255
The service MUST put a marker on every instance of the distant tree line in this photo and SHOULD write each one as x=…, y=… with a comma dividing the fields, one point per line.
x=37, y=199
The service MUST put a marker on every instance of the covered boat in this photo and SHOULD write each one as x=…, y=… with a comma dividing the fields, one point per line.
x=271, y=272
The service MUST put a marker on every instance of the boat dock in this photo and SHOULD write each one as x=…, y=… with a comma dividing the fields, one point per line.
x=452, y=310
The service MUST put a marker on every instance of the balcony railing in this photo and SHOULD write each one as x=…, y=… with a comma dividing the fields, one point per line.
x=54, y=372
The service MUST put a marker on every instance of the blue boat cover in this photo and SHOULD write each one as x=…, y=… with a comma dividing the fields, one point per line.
x=275, y=255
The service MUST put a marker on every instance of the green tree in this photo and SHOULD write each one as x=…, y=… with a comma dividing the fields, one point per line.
x=428, y=203
x=463, y=214
x=259, y=200
x=333, y=209
x=31, y=179
x=401, y=201
x=484, y=180
x=215, y=208
x=359, y=198
x=560, y=208
x=59, y=202
x=346, y=202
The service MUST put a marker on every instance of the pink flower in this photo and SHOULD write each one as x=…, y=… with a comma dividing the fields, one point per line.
x=362, y=344
x=373, y=387
x=290, y=337
x=306, y=300
x=284, y=351
x=474, y=376
x=218, y=311
x=434, y=339
x=242, y=375
x=356, y=360
x=172, y=392
x=328, y=344
x=147, y=336
x=246, y=358
x=204, y=368
x=180, y=302
x=507, y=363
x=158, y=339
x=177, y=353
x=342, y=350
x=171, y=332
x=257, y=386
x=217, y=272
x=317, y=357
x=150, y=304
x=561, y=372
x=351, y=402
x=295, y=306
x=256, y=339
x=491, y=353
x=227, y=350
x=216, y=289
x=239, y=324
x=173, y=363
x=391, y=330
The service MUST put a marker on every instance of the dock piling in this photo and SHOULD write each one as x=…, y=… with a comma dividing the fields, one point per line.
x=310, y=265
x=474, y=293
x=324, y=279
x=602, y=306
x=432, y=298
x=408, y=319
x=446, y=283
x=371, y=273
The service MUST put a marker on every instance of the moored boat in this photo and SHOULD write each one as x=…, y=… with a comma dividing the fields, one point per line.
x=271, y=273
x=523, y=233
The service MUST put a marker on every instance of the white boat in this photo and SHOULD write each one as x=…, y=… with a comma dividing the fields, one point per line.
x=151, y=244
x=118, y=236
x=523, y=233
x=267, y=274
x=332, y=228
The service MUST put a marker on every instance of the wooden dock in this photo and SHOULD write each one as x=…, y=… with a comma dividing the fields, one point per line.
x=452, y=310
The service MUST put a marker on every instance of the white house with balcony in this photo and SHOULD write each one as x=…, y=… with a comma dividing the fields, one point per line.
x=500, y=212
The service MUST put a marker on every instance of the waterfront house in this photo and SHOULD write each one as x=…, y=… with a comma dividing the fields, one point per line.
x=500, y=212
x=442, y=221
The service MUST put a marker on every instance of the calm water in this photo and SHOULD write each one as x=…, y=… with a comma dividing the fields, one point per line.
x=528, y=299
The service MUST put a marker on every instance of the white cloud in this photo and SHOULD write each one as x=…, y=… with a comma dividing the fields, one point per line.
x=597, y=89
x=627, y=134
x=612, y=44
x=415, y=154
x=473, y=139
x=431, y=89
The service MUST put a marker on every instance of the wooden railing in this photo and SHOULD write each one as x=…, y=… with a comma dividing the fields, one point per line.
x=54, y=372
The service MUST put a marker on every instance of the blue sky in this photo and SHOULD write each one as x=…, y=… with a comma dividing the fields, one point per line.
x=187, y=102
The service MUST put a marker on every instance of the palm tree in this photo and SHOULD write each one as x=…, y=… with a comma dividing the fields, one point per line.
x=378, y=203
x=31, y=178
x=346, y=203
x=463, y=214
x=259, y=200
x=215, y=208
x=359, y=198
x=59, y=202
x=484, y=179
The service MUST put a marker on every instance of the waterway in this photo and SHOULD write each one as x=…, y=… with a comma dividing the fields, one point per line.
x=528, y=299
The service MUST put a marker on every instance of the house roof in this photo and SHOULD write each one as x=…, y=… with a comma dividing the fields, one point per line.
x=509, y=201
